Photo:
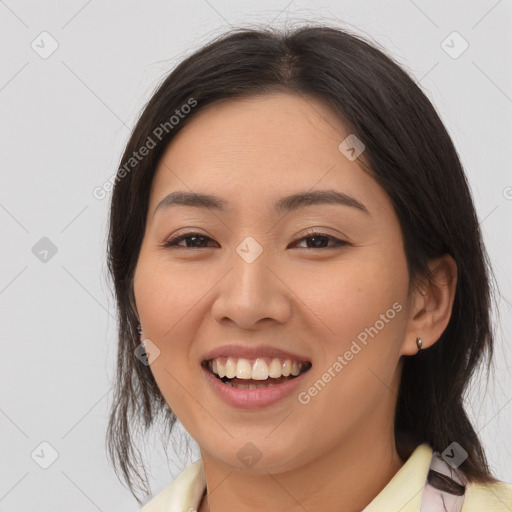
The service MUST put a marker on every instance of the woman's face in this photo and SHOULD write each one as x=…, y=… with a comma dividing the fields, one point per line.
x=258, y=286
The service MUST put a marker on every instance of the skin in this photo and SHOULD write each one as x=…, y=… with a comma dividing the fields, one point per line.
x=336, y=452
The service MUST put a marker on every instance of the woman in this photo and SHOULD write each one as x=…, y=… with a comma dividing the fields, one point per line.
x=301, y=281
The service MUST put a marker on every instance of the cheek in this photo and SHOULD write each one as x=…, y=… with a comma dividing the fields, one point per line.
x=363, y=307
x=353, y=296
x=169, y=304
x=359, y=357
x=166, y=296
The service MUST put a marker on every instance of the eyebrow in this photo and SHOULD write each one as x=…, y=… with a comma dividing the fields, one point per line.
x=285, y=204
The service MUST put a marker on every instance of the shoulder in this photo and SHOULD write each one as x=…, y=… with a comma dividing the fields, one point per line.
x=185, y=492
x=491, y=497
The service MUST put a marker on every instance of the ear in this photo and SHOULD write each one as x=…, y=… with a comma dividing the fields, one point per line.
x=431, y=305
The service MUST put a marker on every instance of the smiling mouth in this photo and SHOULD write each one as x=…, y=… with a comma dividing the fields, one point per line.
x=256, y=373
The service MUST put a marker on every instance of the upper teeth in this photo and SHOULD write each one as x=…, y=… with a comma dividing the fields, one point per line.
x=258, y=369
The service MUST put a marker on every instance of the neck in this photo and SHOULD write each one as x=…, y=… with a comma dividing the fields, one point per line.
x=345, y=478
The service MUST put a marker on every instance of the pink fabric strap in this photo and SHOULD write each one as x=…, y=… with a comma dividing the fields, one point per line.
x=444, y=488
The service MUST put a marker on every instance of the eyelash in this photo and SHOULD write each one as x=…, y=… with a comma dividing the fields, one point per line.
x=173, y=242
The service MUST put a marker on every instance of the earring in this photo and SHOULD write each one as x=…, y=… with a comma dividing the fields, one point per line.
x=139, y=331
x=419, y=343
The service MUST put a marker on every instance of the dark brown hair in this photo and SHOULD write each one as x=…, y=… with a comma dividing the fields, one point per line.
x=408, y=152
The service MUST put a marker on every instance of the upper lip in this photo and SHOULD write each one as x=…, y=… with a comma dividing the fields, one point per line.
x=253, y=352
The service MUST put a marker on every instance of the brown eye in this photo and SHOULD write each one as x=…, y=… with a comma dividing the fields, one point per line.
x=319, y=241
x=315, y=241
x=196, y=240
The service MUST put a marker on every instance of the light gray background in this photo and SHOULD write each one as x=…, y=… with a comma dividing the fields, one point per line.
x=65, y=120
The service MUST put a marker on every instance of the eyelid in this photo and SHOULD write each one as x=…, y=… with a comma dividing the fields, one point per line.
x=176, y=239
x=320, y=231
x=309, y=233
x=338, y=242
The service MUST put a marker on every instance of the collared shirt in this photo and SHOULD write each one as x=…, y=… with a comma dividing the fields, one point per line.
x=403, y=493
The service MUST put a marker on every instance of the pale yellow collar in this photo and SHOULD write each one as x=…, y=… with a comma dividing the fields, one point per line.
x=185, y=492
x=403, y=492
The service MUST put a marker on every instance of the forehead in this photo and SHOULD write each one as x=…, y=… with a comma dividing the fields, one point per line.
x=256, y=149
x=278, y=126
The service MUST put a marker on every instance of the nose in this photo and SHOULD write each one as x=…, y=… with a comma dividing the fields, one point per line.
x=251, y=294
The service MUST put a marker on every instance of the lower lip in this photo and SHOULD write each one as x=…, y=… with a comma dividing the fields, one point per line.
x=252, y=398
